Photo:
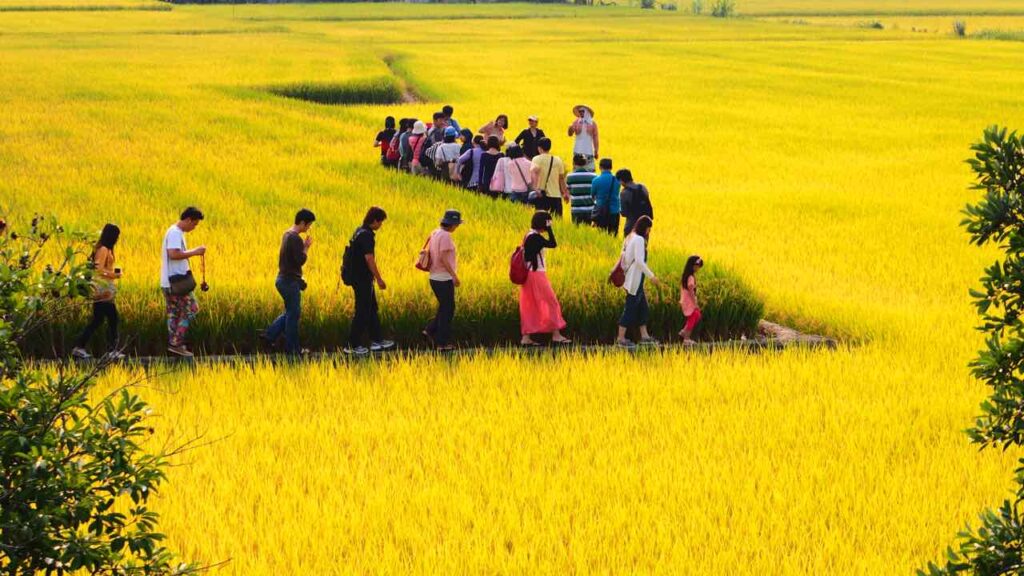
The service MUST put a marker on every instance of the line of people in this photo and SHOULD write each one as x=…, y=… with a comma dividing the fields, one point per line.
x=526, y=171
x=539, y=309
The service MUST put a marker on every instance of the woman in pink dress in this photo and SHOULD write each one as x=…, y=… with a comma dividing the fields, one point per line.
x=539, y=310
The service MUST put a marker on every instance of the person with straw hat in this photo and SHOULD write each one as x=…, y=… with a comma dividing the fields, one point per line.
x=584, y=128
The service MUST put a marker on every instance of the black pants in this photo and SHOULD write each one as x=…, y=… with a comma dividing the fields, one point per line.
x=440, y=327
x=101, y=311
x=610, y=224
x=367, y=318
x=552, y=205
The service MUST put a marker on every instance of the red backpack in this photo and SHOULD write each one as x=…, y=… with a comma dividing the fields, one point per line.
x=393, y=154
x=517, y=270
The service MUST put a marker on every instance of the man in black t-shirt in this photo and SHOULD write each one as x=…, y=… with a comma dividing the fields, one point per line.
x=362, y=275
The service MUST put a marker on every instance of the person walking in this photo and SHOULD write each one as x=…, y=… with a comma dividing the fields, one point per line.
x=529, y=137
x=359, y=270
x=384, y=138
x=584, y=128
x=495, y=128
x=404, y=147
x=290, y=284
x=539, y=310
x=581, y=199
x=636, y=312
x=634, y=199
x=512, y=175
x=435, y=132
x=488, y=162
x=688, y=298
x=548, y=174
x=446, y=155
x=176, y=280
x=444, y=279
x=468, y=164
x=104, y=309
x=605, y=190
x=418, y=142
x=447, y=110
x=466, y=135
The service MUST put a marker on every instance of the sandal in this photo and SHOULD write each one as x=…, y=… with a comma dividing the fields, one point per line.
x=562, y=342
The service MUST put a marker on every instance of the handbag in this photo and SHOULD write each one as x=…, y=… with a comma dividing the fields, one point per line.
x=103, y=290
x=617, y=277
x=423, y=260
x=182, y=284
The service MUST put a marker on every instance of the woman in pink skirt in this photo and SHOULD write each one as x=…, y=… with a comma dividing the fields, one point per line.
x=539, y=310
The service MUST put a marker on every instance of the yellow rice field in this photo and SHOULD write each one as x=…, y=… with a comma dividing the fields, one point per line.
x=822, y=165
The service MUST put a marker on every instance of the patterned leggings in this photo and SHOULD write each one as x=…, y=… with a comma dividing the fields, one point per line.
x=181, y=310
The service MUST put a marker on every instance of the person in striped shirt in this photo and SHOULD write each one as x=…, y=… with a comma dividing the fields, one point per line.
x=581, y=201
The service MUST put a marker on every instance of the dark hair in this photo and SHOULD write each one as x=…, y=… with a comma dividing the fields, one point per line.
x=479, y=140
x=447, y=110
x=579, y=160
x=540, y=220
x=688, y=270
x=606, y=164
x=389, y=122
x=405, y=124
x=643, y=226
x=374, y=214
x=449, y=138
x=514, y=151
x=466, y=133
x=502, y=117
x=305, y=215
x=624, y=175
x=439, y=116
x=192, y=213
x=493, y=142
x=544, y=144
x=108, y=237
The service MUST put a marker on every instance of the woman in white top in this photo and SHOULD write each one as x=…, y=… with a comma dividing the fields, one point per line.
x=634, y=262
x=512, y=175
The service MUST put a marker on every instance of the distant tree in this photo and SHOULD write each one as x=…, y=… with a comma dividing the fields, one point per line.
x=995, y=548
x=74, y=478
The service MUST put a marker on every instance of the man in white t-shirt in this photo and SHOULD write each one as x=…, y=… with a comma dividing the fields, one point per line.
x=174, y=256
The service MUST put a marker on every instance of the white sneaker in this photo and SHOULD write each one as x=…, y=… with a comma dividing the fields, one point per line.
x=357, y=351
x=114, y=355
x=625, y=343
x=80, y=354
x=180, y=351
x=648, y=342
x=382, y=346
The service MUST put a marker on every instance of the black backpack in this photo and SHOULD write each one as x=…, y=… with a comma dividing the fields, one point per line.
x=346, y=261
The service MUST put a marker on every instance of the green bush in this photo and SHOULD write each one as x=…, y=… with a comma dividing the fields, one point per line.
x=379, y=90
x=723, y=8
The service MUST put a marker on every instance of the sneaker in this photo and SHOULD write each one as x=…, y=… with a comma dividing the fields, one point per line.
x=80, y=354
x=382, y=346
x=648, y=342
x=114, y=355
x=180, y=351
x=357, y=351
x=628, y=344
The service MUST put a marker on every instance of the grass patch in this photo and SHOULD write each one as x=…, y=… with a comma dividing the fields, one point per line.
x=378, y=90
x=1008, y=35
x=87, y=8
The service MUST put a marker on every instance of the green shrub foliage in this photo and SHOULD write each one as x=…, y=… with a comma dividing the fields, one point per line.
x=74, y=479
x=995, y=547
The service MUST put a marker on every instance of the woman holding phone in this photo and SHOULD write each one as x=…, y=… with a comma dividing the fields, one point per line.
x=104, y=290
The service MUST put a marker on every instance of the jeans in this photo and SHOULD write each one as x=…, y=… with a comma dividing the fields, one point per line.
x=101, y=311
x=290, y=290
x=636, y=311
x=440, y=327
x=366, y=318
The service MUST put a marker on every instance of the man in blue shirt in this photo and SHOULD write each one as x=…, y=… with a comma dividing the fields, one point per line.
x=605, y=189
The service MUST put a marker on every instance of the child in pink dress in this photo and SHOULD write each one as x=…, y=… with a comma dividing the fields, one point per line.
x=688, y=298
